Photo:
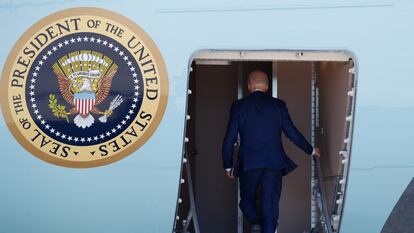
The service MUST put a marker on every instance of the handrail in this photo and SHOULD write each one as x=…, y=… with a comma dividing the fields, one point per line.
x=321, y=198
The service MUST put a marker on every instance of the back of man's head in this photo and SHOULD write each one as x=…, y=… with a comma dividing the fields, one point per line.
x=258, y=80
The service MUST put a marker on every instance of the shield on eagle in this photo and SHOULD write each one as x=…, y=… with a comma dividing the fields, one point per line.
x=84, y=102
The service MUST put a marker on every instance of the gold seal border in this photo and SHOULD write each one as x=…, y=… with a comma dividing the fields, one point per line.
x=79, y=11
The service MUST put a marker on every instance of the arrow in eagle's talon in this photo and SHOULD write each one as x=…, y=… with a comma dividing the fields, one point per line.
x=114, y=104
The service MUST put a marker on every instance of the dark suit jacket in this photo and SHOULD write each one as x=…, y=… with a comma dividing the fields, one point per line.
x=260, y=120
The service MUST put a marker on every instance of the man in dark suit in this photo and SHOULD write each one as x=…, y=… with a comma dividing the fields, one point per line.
x=259, y=119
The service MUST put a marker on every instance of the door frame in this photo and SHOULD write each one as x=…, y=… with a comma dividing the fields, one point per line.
x=334, y=55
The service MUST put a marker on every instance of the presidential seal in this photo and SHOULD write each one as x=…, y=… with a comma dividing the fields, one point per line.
x=84, y=87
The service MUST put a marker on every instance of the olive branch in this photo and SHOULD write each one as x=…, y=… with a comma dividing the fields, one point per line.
x=58, y=110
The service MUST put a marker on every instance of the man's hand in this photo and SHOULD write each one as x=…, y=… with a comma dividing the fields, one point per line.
x=231, y=177
x=316, y=152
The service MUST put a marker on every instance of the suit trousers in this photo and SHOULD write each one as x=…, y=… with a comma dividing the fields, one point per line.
x=270, y=183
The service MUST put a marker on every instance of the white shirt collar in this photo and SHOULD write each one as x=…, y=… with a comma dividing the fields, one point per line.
x=257, y=90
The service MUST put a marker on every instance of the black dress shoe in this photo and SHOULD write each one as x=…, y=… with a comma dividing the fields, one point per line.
x=256, y=229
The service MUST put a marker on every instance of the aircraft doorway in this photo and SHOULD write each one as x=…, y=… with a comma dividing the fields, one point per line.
x=318, y=92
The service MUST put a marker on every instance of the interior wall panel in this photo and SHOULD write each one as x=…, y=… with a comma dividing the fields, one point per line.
x=294, y=87
x=216, y=195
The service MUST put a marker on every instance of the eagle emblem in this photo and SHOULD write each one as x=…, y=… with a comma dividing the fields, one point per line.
x=85, y=79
